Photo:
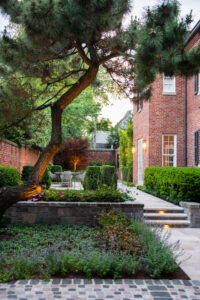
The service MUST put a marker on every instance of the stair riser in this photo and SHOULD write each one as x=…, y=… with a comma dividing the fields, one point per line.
x=167, y=218
x=153, y=211
x=171, y=226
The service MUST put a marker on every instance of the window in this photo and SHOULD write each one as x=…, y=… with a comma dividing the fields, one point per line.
x=196, y=148
x=197, y=84
x=169, y=150
x=139, y=105
x=169, y=85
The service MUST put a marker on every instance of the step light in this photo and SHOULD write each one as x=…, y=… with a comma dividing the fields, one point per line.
x=166, y=226
x=161, y=211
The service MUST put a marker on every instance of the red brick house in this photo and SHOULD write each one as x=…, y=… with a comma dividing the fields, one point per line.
x=166, y=129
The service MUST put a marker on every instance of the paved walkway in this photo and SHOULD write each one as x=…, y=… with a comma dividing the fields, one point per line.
x=189, y=237
x=148, y=200
x=79, y=289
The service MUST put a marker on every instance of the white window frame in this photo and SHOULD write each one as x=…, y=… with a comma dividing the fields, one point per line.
x=175, y=148
x=173, y=85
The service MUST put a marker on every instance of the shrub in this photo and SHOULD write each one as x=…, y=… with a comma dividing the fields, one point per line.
x=97, y=162
x=174, y=184
x=130, y=174
x=125, y=173
x=56, y=168
x=92, y=178
x=9, y=176
x=46, y=179
x=103, y=194
x=109, y=176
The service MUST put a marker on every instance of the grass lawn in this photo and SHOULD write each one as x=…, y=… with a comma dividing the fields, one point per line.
x=117, y=248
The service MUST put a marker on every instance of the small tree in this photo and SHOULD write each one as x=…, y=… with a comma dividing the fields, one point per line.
x=73, y=152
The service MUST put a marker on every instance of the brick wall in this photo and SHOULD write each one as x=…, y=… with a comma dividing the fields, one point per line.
x=92, y=155
x=163, y=114
x=193, y=109
x=16, y=157
x=166, y=116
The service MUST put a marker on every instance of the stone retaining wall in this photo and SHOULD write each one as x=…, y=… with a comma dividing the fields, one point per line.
x=67, y=213
x=192, y=209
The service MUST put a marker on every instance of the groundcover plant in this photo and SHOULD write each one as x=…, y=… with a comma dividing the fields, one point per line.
x=117, y=248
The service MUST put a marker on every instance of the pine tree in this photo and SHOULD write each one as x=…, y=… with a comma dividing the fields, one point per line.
x=61, y=44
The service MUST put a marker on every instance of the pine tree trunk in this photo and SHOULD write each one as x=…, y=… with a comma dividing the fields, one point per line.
x=13, y=194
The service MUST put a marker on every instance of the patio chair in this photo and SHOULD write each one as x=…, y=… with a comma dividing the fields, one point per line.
x=66, y=179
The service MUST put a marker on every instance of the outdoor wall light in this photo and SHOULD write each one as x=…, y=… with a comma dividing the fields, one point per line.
x=144, y=145
x=133, y=149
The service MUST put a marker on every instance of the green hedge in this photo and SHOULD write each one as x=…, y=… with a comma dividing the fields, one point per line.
x=92, y=178
x=109, y=176
x=9, y=176
x=46, y=179
x=174, y=184
x=56, y=168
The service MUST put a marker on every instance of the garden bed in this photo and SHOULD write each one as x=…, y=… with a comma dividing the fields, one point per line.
x=117, y=248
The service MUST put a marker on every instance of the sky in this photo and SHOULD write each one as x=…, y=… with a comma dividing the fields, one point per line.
x=118, y=108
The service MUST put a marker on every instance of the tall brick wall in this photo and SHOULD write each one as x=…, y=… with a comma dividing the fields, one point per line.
x=163, y=114
x=193, y=109
x=93, y=155
x=16, y=157
x=166, y=116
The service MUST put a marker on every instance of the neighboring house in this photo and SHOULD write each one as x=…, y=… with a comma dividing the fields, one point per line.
x=99, y=139
x=167, y=128
x=124, y=121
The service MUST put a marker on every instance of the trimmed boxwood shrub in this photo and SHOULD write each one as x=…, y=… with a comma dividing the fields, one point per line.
x=92, y=178
x=46, y=179
x=174, y=184
x=125, y=171
x=56, y=168
x=9, y=176
x=109, y=176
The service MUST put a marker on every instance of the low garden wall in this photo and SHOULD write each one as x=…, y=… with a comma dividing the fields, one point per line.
x=67, y=213
x=192, y=209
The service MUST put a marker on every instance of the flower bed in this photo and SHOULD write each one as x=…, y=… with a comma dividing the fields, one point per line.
x=104, y=194
x=117, y=248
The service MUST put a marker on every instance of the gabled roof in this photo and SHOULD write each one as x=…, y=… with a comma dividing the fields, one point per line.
x=193, y=31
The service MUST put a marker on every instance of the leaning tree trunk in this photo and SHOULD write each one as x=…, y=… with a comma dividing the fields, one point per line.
x=13, y=194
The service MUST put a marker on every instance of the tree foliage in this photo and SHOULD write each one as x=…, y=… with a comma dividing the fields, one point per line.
x=125, y=149
x=73, y=152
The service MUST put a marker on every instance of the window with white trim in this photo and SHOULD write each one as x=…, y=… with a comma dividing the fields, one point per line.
x=169, y=149
x=169, y=85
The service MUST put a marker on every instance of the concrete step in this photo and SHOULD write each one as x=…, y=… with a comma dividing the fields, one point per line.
x=168, y=223
x=165, y=210
x=165, y=216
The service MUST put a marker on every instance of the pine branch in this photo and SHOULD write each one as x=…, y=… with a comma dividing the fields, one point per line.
x=83, y=55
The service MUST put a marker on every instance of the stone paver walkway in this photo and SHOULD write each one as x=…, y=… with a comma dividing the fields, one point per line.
x=148, y=200
x=75, y=186
x=79, y=289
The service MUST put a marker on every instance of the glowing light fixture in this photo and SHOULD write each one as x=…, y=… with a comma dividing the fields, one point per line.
x=166, y=226
x=133, y=149
x=161, y=211
x=144, y=145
